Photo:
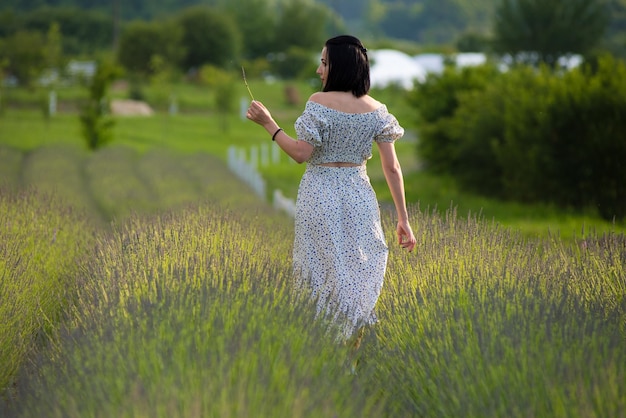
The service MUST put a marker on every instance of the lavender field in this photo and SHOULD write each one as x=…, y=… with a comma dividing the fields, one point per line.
x=147, y=280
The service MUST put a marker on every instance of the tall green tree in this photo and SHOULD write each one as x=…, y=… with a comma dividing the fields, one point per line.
x=302, y=24
x=142, y=42
x=209, y=37
x=256, y=21
x=540, y=31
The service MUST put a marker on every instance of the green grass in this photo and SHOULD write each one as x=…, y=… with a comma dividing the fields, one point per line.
x=144, y=279
x=200, y=129
x=533, y=220
x=154, y=164
x=191, y=313
x=41, y=242
x=179, y=316
x=487, y=323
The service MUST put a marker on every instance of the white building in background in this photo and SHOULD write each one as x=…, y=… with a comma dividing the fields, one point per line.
x=469, y=59
x=391, y=67
x=81, y=69
x=432, y=63
x=74, y=71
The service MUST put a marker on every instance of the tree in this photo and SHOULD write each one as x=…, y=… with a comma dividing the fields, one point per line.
x=54, y=46
x=209, y=37
x=10, y=22
x=96, y=123
x=540, y=31
x=24, y=55
x=82, y=31
x=615, y=40
x=257, y=22
x=473, y=42
x=222, y=83
x=431, y=21
x=301, y=25
x=142, y=42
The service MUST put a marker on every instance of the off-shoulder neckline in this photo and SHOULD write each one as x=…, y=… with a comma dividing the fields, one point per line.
x=378, y=109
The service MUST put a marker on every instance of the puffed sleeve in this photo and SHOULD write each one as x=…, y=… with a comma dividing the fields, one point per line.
x=391, y=129
x=311, y=125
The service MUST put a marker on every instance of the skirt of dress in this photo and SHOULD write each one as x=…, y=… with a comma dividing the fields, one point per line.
x=340, y=253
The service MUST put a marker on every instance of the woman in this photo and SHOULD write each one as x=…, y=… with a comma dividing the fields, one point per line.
x=339, y=246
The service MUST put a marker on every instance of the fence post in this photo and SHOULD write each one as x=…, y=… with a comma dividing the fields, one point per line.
x=52, y=103
x=254, y=156
x=264, y=155
x=247, y=171
x=275, y=153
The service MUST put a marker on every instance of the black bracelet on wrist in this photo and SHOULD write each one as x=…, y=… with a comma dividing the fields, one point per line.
x=276, y=133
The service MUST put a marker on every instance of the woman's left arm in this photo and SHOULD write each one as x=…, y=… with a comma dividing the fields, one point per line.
x=395, y=181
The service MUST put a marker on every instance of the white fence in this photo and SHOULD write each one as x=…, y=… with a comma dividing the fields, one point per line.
x=245, y=166
x=284, y=203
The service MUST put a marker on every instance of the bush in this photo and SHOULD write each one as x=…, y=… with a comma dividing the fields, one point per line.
x=588, y=144
x=295, y=62
x=494, y=154
x=530, y=135
x=437, y=100
x=223, y=85
x=564, y=139
x=143, y=44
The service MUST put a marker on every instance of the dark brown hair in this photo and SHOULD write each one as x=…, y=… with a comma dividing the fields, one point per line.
x=348, y=65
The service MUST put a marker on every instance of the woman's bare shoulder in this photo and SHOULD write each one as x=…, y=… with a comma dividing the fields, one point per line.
x=373, y=103
x=319, y=97
x=345, y=102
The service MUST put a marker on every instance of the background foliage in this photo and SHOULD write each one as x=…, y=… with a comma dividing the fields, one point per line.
x=530, y=136
x=536, y=31
x=430, y=23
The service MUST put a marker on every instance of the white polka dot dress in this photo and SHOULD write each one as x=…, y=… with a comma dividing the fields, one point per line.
x=339, y=251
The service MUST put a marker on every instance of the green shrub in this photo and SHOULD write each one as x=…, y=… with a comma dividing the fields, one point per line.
x=437, y=100
x=563, y=141
x=531, y=135
x=491, y=157
x=588, y=138
x=224, y=88
x=293, y=63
